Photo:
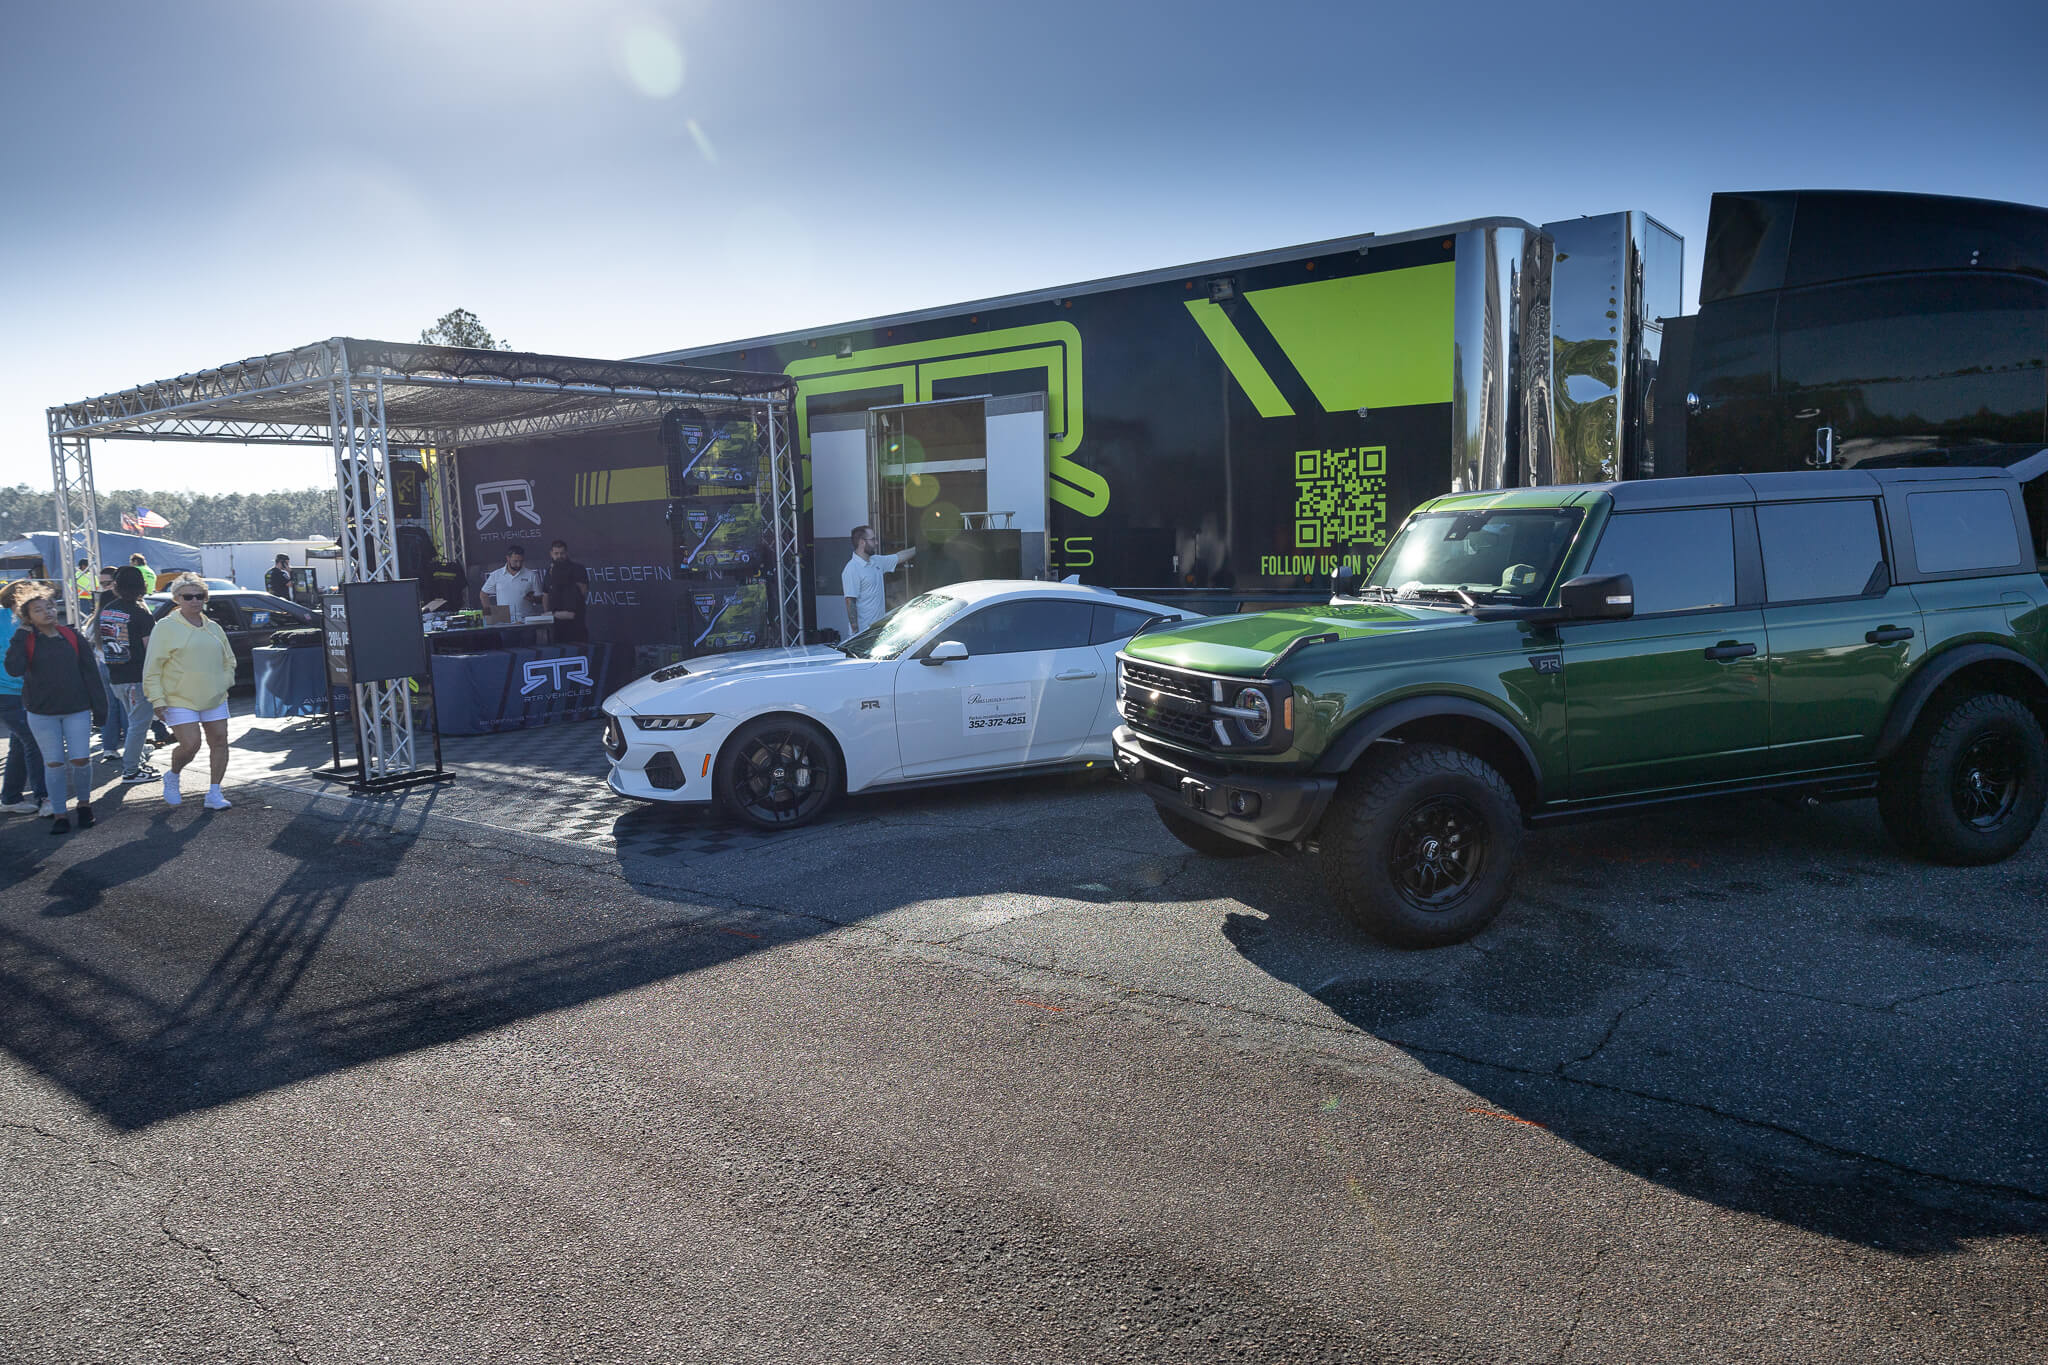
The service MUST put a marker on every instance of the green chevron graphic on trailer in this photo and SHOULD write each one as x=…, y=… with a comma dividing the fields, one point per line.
x=1367, y=341
x=915, y=367
x=1238, y=359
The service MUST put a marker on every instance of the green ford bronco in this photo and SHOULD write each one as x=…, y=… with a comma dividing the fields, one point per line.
x=1541, y=654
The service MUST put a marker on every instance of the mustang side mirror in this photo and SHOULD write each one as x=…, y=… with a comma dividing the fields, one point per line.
x=1598, y=597
x=944, y=652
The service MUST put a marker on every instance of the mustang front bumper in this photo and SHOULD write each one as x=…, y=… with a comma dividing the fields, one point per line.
x=1270, y=810
x=663, y=765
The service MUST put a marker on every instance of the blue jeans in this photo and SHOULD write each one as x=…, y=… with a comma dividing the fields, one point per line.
x=128, y=696
x=24, y=756
x=61, y=738
x=117, y=714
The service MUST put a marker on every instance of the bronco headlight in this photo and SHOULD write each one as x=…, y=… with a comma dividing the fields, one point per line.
x=1257, y=717
x=671, y=722
x=1119, y=679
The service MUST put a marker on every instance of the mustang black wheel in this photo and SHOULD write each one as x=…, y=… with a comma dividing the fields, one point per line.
x=1420, y=846
x=777, y=773
x=1969, y=785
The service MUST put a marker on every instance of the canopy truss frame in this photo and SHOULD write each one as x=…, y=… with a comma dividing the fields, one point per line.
x=363, y=398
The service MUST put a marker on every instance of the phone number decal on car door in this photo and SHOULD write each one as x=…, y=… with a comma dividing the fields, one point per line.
x=998, y=707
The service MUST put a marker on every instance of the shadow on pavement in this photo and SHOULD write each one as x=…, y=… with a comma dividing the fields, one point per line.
x=1772, y=1012
x=190, y=1000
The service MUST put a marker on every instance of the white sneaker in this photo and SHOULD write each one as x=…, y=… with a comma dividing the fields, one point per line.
x=47, y=808
x=172, y=797
x=215, y=801
x=21, y=807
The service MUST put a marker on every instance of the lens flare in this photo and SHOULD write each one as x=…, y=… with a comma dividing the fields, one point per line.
x=654, y=61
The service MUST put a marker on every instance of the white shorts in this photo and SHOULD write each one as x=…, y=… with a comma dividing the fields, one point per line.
x=178, y=715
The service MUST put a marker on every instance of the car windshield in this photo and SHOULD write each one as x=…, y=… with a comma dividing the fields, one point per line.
x=903, y=627
x=1499, y=557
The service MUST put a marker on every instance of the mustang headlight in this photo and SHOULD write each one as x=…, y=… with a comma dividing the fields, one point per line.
x=671, y=722
x=1256, y=714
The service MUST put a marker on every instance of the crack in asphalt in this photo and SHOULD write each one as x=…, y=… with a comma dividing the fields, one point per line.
x=217, y=1270
x=1585, y=1290
x=93, y=1157
x=1966, y=986
x=1613, y=1027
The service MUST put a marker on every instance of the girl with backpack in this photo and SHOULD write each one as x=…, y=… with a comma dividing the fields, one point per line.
x=60, y=690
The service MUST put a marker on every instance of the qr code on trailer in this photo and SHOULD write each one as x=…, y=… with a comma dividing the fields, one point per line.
x=1340, y=497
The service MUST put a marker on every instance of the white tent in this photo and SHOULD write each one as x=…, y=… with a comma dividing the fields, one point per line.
x=245, y=561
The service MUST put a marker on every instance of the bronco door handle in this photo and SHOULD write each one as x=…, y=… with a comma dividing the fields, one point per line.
x=1889, y=635
x=1731, y=651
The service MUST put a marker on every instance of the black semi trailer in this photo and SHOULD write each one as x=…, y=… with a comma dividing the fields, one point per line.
x=1238, y=428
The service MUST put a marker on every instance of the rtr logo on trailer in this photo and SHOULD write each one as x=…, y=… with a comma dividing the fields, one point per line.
x=502, y=499
x=557, y=674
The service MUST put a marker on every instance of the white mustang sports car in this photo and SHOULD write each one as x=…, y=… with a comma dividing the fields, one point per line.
x=971, y=680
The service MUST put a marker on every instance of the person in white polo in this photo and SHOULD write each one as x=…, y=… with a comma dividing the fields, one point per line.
x=861, y=579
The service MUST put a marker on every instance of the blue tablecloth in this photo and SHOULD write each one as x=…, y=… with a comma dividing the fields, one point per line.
x=516, y=689
x=290, y=682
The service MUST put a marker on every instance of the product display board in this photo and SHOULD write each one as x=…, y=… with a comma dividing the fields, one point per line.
x=334, y=633
x=718, y=483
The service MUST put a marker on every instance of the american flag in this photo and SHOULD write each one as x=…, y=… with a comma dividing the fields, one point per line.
x=143, y=520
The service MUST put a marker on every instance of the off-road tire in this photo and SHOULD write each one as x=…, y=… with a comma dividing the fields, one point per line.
x=1969, y=784
x=1204, y=840
x=745, y=780
x=1377, y=838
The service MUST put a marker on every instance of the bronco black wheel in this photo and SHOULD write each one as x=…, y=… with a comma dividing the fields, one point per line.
x=1420, y=845
x=777, y=773
x=1204, y=840
x=1970, y=783
x=1439, y=850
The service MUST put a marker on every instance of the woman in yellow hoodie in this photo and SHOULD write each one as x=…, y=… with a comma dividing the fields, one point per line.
x=186, y=676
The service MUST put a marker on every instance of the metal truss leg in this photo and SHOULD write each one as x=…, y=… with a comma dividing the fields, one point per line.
x=78, y=509
x=786, y=497
x=369, y=547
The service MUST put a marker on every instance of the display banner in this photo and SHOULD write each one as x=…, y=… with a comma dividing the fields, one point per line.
x=607, y=495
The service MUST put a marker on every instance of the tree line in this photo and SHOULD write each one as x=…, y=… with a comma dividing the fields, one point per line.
x=195, y=518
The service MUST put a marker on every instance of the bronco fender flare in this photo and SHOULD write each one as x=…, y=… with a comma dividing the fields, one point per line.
x=1374, y=726
x=1912, y=698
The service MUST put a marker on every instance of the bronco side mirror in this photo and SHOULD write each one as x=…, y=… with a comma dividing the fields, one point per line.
x=1598, y=597
x=944, y=652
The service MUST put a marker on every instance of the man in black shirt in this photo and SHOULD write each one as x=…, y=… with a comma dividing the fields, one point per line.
x=566, y=586
x=277, y=579
x=122, y=630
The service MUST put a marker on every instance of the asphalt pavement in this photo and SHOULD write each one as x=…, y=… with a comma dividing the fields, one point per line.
x=1005, y=1074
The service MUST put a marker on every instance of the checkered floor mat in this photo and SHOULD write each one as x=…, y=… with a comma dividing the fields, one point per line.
x=547, y=782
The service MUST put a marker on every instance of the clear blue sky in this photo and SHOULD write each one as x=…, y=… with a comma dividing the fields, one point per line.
x=195, y=182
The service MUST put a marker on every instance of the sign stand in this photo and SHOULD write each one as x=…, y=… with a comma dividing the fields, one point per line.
x=373, y=636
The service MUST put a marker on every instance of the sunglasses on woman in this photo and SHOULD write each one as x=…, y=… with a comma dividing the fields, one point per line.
x=191, y=597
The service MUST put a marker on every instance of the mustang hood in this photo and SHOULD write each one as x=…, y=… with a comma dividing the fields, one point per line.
x=660, y=687
x=1244, y=645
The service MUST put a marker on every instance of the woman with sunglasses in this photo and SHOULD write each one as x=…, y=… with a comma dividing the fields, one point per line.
x=186, y=675
x=61, y=692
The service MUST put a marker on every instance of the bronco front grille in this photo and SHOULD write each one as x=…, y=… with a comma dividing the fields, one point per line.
x=1167, y=703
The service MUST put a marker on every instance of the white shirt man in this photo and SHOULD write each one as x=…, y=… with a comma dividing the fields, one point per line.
x=861, y=579
x=514, y=586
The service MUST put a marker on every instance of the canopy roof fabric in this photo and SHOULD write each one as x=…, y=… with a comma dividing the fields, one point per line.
x=432, y=395
x=115, y=547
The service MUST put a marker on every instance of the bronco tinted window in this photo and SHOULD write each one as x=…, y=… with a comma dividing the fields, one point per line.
x=1966, y=529
x=1820, y=549
x=1680, y=560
